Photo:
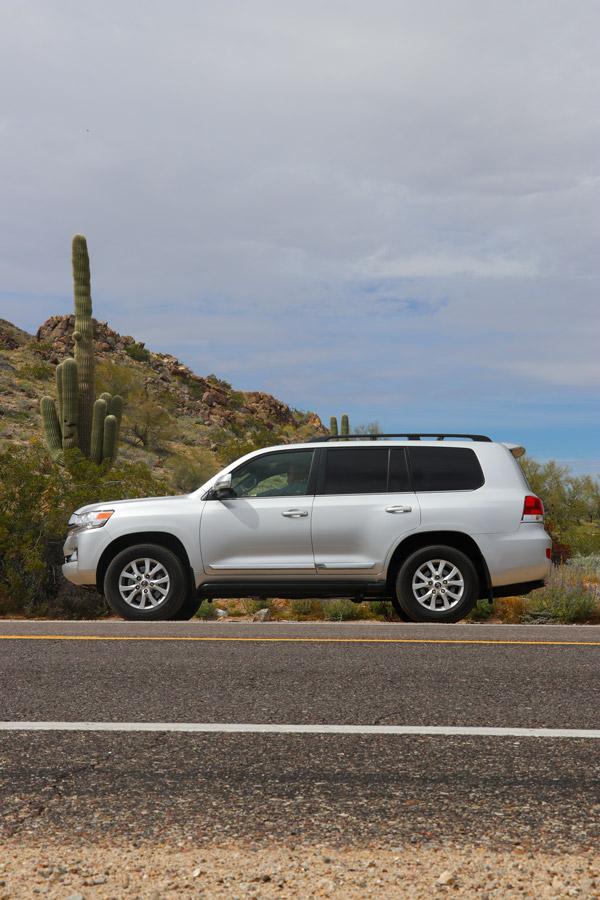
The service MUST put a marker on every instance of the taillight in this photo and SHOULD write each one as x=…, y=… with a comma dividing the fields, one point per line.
x=533, y=509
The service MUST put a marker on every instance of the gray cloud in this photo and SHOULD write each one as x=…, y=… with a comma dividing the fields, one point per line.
x=390, y=208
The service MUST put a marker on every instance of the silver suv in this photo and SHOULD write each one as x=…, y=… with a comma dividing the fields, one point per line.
x=430, y=522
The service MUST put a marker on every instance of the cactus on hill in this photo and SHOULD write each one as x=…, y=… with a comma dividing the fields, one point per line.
x=345, y=426
x=75, y=419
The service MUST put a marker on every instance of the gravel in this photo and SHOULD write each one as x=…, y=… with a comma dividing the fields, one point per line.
x=160, y=871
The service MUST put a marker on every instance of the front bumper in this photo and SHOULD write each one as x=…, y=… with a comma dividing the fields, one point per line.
x=82, y=550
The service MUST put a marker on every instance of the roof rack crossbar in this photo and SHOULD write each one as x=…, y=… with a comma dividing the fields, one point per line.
x=412, y=436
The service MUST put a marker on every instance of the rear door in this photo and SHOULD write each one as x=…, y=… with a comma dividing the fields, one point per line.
x=362, y=508
x=265, y=527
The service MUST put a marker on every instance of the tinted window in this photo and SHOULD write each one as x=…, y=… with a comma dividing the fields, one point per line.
x=399, y=481
x=282, y=474
x=356, y=471
x=444, y=469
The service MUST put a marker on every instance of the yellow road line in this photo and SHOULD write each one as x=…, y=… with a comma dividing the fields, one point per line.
x=291, y=640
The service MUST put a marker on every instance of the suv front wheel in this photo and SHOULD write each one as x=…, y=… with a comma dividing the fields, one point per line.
x=436, y=584
x=146, y=582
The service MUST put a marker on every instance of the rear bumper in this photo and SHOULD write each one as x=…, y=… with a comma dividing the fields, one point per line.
x=517, y=557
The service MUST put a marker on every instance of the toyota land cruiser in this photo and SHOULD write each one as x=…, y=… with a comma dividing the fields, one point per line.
x=431, y=522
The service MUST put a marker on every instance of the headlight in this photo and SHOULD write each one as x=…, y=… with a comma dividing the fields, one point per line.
x=95, y=519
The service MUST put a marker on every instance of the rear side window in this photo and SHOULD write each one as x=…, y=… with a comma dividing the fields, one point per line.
x=363, y=470
x=360, y=471
x=444, y=469
x=399, y=482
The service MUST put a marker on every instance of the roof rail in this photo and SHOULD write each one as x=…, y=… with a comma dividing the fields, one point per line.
x=413, y=436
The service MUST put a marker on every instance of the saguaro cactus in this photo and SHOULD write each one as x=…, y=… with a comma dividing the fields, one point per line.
x=75, y=419
x=83, y=335
x=333, y=426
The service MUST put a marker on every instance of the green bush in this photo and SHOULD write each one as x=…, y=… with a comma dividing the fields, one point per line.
x=218, y=382
x=138, y=352
x=383, y=609
x=307, y=609
x=481, y=612
x=206, y=610
x=37, y=371
x=251, y=605
x=587, y=565
x=188, y=474
x=567, y=597
x=36, y=500
x=346, y=610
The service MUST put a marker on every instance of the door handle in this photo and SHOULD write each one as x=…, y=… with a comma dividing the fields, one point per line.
x=398, y=509
x=294, y=513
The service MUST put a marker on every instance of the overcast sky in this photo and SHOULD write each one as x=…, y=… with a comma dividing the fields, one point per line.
x=388, y=209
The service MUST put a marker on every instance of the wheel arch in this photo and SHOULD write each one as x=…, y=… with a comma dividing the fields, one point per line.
x=457, y=539
x=162, y=538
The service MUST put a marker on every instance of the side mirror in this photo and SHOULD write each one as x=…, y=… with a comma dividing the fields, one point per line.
x=221, y=489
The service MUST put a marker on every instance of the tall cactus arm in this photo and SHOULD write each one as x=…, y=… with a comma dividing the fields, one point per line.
x=109, y=450
x=116, y=410
x=106, y=397
x=333, y=426
x=84, y=339
x=51, y=427
x=345, y=424
x=70, y=404
x=59, y=401
x=97, y=441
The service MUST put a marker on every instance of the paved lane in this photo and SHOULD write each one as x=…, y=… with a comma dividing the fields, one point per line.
x=303, y=680
x=390, y=789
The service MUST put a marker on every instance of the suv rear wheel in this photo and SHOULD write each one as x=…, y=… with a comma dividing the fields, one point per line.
x=146, y=582
x=436, y=584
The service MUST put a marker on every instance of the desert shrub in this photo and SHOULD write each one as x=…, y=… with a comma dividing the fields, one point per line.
x=307, y=609
x=138, y=352
x=567, y=597
x=206, y=611
x=147, y=424
x=481, y=612
x=346, y=610
x=218, y=382
x=383, y=609
x=234, y=609
x=41, y=348
x=37, y=371
x=188, y=474
x=587, y=565
x=251, y=605
x=36, y=500
x=117, y=379
x=582, y=540
x=510, y=610
x=237, y=399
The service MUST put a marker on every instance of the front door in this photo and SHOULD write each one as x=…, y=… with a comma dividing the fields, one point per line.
x=264, y=529
x=363, y=508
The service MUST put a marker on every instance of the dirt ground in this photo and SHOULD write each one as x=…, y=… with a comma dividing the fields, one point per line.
x=162, y=871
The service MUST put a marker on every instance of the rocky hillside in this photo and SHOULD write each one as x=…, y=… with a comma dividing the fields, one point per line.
x=176, y=421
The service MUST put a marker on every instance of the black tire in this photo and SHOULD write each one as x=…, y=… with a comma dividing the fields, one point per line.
x=405, y=598
x=176, y=583
x=188, y=609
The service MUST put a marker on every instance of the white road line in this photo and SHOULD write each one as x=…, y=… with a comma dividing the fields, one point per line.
x=257, y=728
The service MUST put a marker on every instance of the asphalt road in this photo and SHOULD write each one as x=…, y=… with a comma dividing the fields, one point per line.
x=386, y=788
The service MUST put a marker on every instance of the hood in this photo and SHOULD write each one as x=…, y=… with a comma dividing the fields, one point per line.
x=112, y=504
